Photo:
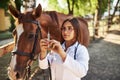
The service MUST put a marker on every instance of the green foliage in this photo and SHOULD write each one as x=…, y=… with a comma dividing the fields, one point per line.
x=12, y=21
x=81, y=7
x=4, y=4
x=93, y=5
x=18, y=4
x=103, y=6
x=89, y=7
x=54, y=5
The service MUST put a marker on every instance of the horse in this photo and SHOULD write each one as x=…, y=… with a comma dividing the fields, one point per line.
x=30, y=28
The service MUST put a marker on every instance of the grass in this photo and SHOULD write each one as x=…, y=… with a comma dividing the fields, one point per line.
x=5, y=35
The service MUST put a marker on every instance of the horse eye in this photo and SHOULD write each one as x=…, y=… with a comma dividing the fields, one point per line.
x=31, y=36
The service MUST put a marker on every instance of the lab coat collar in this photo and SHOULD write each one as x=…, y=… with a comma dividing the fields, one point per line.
x=72, y=46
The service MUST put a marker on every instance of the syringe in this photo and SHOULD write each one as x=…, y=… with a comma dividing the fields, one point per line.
x=48, y=37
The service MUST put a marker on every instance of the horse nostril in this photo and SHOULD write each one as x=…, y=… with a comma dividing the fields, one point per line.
x=17, y=75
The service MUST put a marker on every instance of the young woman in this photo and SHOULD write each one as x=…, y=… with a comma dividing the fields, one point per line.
x=68, y=61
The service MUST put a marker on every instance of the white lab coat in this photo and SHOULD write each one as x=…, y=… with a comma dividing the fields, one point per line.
x=70, y=69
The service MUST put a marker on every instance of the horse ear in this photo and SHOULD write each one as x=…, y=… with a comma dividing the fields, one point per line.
x=38, y=11
x=13, y=11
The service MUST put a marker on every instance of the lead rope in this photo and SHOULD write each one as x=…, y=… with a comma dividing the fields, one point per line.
x=49, y=68
x=29, y=71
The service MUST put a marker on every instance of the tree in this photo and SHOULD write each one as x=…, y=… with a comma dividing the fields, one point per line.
x=109, y=16
x=101, y=7
x=71, y=6
x=4, y=4
x=116, y=7
x=18, y=4
x=78, y=7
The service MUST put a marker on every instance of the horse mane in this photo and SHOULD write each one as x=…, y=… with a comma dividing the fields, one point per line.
x=53, y=15
x=83, y=20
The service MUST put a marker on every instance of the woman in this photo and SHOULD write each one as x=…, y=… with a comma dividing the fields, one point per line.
x=68, y=61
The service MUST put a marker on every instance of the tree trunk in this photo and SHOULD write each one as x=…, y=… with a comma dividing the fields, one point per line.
x=70, y=7
x=109, y=16
x=96, y=23
x=96, y=18
x=115, y=10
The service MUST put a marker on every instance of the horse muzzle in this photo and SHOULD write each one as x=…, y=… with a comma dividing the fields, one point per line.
x=11, y=74
x=16, y=74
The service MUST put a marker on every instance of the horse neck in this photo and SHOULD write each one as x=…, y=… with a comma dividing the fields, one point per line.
x=57, y=17
x=62, y=17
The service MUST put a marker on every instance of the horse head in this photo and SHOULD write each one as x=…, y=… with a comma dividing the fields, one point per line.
x=27, y=35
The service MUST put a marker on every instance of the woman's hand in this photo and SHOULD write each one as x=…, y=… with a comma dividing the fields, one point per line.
x=43, y=46
x=51, y=45
x=56, y=47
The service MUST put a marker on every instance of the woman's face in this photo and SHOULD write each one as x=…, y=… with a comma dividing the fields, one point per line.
x=68, y=31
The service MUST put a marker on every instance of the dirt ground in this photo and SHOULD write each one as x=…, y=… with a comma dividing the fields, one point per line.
x=104, y=59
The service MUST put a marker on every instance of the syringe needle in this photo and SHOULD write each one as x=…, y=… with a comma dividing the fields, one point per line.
x=48, y=35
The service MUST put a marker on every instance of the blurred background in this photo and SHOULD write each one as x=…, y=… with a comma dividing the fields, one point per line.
x=100, y=14
x=103, y=17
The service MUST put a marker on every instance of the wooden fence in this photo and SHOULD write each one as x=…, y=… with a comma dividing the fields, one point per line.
x=6, y=48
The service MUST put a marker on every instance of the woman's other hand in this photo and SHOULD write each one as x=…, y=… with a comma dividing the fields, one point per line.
x=44, y=47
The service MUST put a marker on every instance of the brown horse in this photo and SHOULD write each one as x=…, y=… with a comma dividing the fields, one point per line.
x=30, y=28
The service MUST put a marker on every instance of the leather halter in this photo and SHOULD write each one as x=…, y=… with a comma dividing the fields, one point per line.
x=31, y=54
